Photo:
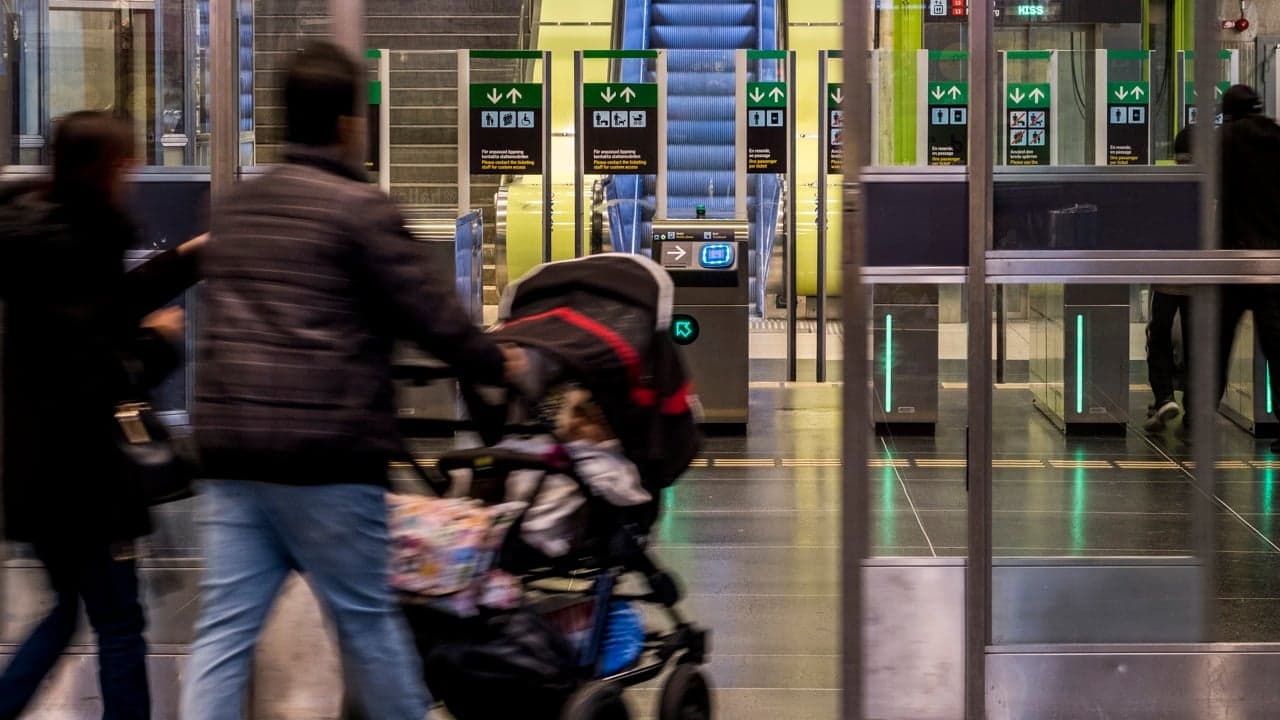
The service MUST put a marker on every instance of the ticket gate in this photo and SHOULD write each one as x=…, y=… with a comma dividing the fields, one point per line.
x=1079, y=363
x=906, y=358
x=708, y=260
x=427, y=398
x=1249, y=400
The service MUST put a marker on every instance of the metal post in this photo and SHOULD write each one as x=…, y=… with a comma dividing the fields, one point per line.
x=384, y=121
x=580, y=166
x=464, y=132
x=1100, y=118
x=1054, y=112
x=922, y=105
x=346, y=17
x=1204, y=315
x=224, y=140
x=855, y=515
x=547, y=215
x=740, y=136
x=662, y=207
x=824, y=137
x=982, y=124
x=792, y=222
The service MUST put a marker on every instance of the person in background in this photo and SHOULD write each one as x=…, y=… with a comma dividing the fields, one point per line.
x=78, y=330
x=1250, y=217
x=311, y=276
x=1168, y=302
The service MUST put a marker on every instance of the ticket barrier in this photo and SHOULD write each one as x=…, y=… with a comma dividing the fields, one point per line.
x=707, y=260
x=906, y=358
x=1249, y=400
x=427, y=399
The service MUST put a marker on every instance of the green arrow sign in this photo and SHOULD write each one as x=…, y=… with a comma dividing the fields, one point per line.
x=835, y=94
x=506, y=95
x=766, y=94
x=1219, y=89
x=1027, y=95
x=684, y=329
x=1128, y=93
x=948, y=93
x=620, y=95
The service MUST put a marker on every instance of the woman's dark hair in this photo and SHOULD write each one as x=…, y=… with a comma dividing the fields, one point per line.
x=320, y=87
x=89, y=148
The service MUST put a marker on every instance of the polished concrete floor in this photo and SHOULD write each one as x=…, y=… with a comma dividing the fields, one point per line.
x=753, y=528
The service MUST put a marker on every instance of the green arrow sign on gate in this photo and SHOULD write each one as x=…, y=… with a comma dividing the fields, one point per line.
x=766, y=94
x=835, y=94
x=948, y=93
x=1128, y=93
x=1027, y=95
x=1219, y=89
x=506, y=95
x=620, y=95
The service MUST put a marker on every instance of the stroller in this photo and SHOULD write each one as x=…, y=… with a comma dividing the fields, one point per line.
x=602, y=323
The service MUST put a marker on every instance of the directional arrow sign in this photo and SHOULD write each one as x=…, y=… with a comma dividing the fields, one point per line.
x=1127, y=93
x=684, y=329
x=1028, y=95
x=635, y=95
x=677, y=253
x=766, y=94
x=506, y=95
x=1190, y=94
x=948, y=93
x=835, y=93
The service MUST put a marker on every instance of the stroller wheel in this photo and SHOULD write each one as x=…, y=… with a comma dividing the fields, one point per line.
x=686, y=695
x=597, y=700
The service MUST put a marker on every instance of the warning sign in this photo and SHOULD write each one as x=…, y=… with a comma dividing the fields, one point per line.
x=835, y=128
x=620, y=128
x=506, y=129
x=1028, y=126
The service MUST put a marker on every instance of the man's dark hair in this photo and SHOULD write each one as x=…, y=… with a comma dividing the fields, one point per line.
x=1240, y=101
x=321, y=86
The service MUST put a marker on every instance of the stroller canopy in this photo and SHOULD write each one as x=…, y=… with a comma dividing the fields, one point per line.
x=605, y=318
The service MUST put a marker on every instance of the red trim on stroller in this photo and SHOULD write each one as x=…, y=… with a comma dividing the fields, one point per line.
x=642, y=396
x=678, y=402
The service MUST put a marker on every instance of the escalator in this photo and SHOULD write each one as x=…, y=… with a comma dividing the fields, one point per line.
x=701, y=39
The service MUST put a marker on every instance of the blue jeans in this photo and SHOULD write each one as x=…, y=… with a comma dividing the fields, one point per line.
x=255, y=534
x=109, y=588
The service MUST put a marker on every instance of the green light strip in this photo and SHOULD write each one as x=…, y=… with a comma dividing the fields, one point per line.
x=1079, y=364
x=1268, y=388
x=888, y=363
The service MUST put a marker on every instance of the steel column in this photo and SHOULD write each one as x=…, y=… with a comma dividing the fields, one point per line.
x=789, y=290
x=855, y=393
x=580, y=163
x=982, y=125
x=224, y=116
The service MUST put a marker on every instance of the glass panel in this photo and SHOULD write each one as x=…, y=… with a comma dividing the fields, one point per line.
x=127, y=58
x=918, y=344
x=269, y=32
x=1093, y=484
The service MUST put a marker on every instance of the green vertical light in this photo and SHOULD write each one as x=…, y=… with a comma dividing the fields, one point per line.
x=1079, y=506
x=1268, y=501
x=888, y=363
x=888, y=524
x=1268, y=388
x=1079, y=364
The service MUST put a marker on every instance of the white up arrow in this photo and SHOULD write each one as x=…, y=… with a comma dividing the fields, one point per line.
x=628, y=94
x=954, y=92
x=494, y=96
x=1037, y=94
x=677, y=253
x=1138, y=93
x=513, y=95
x=776, y=94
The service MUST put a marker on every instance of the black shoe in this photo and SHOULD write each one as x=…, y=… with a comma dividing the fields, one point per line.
x=1160, y=416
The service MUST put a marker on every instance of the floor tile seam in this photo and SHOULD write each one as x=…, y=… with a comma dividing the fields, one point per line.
x=911, y=503
x=1215, y=497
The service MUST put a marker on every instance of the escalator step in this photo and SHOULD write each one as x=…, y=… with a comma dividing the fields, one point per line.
x=719, y=14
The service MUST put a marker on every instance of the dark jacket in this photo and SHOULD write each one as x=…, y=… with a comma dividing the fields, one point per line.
x=1250, y=207
x=71, y=328
x=311, y=275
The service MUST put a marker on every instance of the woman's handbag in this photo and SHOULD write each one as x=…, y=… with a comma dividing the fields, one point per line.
x=152, y=458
